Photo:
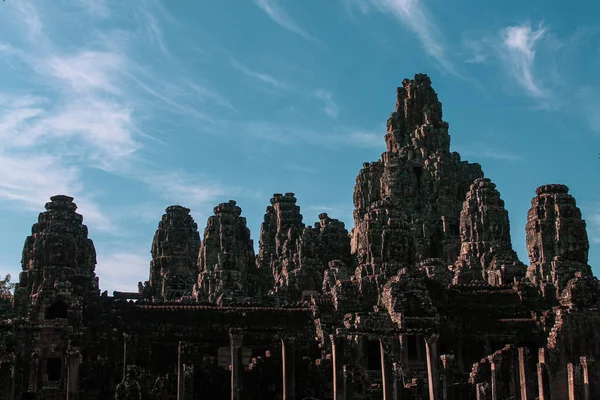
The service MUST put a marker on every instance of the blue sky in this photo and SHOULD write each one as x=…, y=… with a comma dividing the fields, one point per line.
x=130, y=106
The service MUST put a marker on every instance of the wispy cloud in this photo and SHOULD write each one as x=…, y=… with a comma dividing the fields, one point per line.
x=366, y=139
x=519, y=42
x=277, y=14
x=122, y=270
x=414, y=16
x=265, y=78
x=334, y=137
x=486, y=151
x=343, y=212
x=84, y=108
x=330, y=106
x=301, y=168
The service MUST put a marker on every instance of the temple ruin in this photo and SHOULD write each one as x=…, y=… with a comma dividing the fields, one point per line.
x=424, y=298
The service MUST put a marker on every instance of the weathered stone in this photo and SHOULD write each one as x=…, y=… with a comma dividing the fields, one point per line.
x=486, y=252
x=226, y=261
x=58, y=264
x=358, y=306
x=279, y=232
x=299, y=255
x=557, y=241
x=174, y=265
x=408, y=204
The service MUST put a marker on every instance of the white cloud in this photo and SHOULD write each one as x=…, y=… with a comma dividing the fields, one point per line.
x=366, y=139
x=331, y=107
x=519, y=42
x=268, y=79
x=286, y=134
x=121, y=271
x=277, y=14
x=483, y=151
x=415, y=17
x=83, y=109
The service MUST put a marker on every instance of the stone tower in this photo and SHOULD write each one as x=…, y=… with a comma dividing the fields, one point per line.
x=226, y=261
x=173, y=269
x=58, y=296
x=279, y=232
x=486, y=253
x=557, y=241
x=58, y=262
x=408, y=204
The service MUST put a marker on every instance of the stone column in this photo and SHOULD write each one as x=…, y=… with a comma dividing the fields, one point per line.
x=447, y=382
x=386, y=367
x=129, y=349
x=181, y=370
x=73, y=363
x=403, y=341
x=337, y=346
x=513, y=368
x=188, y=390
x=13, y=373
x=522, y=376
x=348, y=383
x=571, y=381
x=288, y=356
x=235, y=340
x=543, y=376
x=494, y=366
x=432, y=365
x=460, y=360
x=586, y=365
x=482, y=391
x=398, y=382
x=34, y=365
x=359, y=342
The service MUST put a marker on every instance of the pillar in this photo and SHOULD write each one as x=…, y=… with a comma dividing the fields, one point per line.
x=181, y=359
x=398, y=382
x=513, y=370
x=235, y=341
x=447, y=381
x=13, y=373
x=348, y=383
x=586, y=365
x=482, y=391
x=543, y=376
x=288, y=356
x=129, y=349
x=188, y=390
x=403, y=341
x=432, y=365
x=460, y=361
x=337, y=346
x=386, y=368
x=494, y=361
x=73, y=363
x=571, y=381
x=522, y=356
x=359, y=343
x=34, y=365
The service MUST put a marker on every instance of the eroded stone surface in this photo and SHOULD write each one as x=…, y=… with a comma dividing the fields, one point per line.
x=557, y=241
x=486, y=250
x=173, y=269
x=408, y=204
x=57, y=253
x=226, y=261
x=427, y=274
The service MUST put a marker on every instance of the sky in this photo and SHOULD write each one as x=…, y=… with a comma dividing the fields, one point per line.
x=131, y=106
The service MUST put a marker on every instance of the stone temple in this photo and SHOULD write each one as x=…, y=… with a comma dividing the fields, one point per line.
x=424, y=298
